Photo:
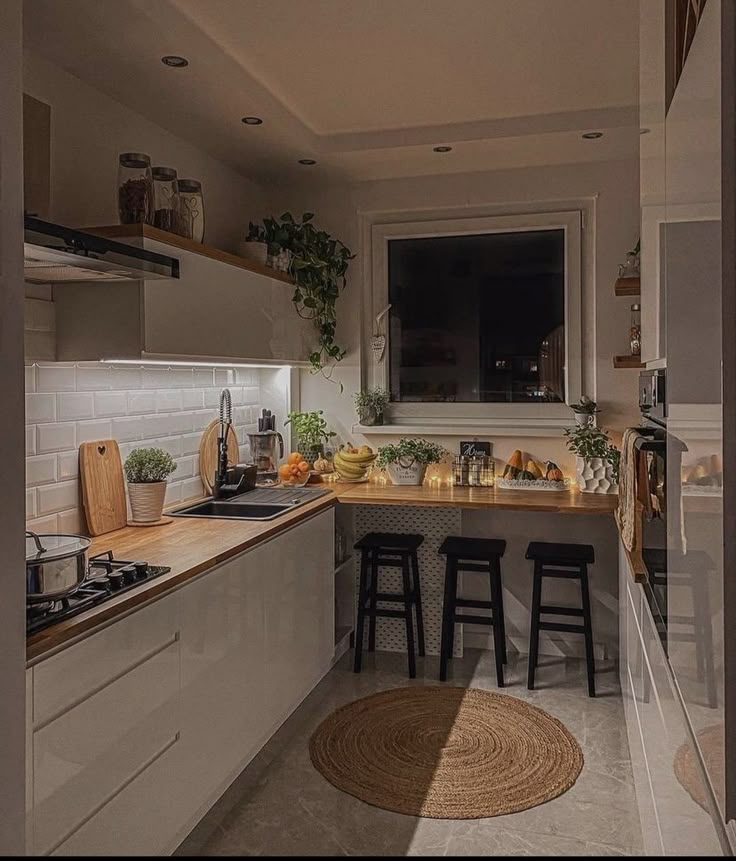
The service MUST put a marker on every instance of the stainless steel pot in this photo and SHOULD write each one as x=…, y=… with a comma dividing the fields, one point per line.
x=56, y=565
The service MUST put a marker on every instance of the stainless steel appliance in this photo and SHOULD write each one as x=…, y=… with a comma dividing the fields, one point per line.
x=104, y=578
x=56, y=565
x=264, y=446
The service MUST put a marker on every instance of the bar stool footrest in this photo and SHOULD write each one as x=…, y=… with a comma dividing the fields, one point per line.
x=561, y=626
x=474, y=604
x=561, y=611
x=473, y=620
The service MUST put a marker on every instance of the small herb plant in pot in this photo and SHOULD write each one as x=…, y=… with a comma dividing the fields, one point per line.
x=312, y=433
x=371, y=405
x=147, y=470
x=407, y=460
x=597, y=459
x=585, y=411
x=255, y=246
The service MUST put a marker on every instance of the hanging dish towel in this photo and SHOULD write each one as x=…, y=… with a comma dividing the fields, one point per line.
x=633, y=494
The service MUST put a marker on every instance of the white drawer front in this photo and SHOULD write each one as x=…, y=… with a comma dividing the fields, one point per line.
x=90, y=752
x=73, y=674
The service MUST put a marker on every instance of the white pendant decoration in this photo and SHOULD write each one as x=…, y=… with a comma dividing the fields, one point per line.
x=378, y=339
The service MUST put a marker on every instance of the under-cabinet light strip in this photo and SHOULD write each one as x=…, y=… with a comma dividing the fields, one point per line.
x=181, y=363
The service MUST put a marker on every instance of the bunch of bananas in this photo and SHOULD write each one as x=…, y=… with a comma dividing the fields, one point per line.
x=352, y=464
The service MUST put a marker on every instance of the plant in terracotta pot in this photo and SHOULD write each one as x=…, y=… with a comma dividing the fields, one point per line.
x=371, y=405
x=597, y=458
x=407, y=460
x=147, y=470
x=585, y=411
x=312, y=433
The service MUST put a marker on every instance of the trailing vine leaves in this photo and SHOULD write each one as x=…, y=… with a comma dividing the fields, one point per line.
x=318, y=265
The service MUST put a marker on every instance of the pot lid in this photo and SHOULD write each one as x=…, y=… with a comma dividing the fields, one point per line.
x=53, y=546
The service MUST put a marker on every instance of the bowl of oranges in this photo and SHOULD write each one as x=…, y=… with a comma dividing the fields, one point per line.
x=295, y=472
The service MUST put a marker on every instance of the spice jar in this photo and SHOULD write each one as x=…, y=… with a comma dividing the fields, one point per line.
x=191, y=209
x=635, y=330
x=135, y=188
x=165, y=199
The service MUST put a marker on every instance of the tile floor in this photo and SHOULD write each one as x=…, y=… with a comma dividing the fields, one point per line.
x=281, y=806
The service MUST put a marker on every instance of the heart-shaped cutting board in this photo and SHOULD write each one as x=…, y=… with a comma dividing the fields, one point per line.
x=103, y=486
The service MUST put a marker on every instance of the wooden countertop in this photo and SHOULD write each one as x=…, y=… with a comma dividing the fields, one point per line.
x=553, y=501
x=190, y=546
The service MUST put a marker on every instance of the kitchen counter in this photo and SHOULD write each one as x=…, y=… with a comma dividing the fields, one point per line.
x=190, y=546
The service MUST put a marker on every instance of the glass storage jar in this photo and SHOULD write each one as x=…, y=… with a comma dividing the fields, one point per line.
x=135, y=188
x=165, y=199
x=191, y=209
x=635, y=330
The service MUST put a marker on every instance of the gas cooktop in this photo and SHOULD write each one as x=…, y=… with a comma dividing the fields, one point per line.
x=106, y=578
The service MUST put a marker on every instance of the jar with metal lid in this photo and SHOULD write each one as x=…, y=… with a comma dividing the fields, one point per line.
x=191, y=209
x=635, y=330
x=165, y=199
x=135, y=188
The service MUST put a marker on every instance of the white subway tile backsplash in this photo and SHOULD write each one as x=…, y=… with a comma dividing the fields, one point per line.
x=94, y=379
x=75, y=405
x=127, y=428
x=55, y=437
x=98, y=429
x=110, y=404
x=40, y=469
x=168, y=401
x=57, y=497
x=67, y=464
x=55, y=378
x=139, y=406
x=40, y=408
x=141, y=402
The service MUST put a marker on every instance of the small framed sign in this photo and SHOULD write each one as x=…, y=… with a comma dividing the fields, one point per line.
x=473, y=448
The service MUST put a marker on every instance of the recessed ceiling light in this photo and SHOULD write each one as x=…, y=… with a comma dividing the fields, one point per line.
x=442, y=149
x=252, y=121
x=592, y=136
x=307, y=161
x=174, y=61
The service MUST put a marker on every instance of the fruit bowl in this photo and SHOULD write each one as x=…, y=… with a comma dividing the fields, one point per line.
x=352, y=464
x=295, y=472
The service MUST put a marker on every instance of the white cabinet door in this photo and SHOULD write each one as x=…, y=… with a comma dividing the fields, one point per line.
x=222, y=673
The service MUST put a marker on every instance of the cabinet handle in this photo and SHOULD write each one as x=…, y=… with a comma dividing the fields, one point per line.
x=174, y=638
x=115, y=792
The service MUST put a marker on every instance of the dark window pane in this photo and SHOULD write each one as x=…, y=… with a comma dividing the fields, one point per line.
x=478, y=318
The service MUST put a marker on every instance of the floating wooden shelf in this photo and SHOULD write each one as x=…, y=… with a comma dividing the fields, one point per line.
x=145, y=231
x=627, y=286
x=627, y=362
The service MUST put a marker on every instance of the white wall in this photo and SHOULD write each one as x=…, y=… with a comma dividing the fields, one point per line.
x=67, y=404
x=611, y=190
x=88, y=132
x=12, y=607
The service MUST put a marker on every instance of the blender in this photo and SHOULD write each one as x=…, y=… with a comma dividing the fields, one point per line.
x=263, y=445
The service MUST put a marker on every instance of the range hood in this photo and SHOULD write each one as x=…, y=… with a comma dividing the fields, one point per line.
x=54, y=254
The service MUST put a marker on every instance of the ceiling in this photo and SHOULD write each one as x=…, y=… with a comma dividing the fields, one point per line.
x=366, y=89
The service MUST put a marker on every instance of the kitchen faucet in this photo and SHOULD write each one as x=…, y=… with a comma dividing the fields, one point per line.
x=229, y=481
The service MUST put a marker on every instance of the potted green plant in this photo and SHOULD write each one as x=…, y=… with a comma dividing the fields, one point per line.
x=371, y=405
x=318, y=263
x=147, y=470
x=312, y=433
x=585, y=411
x=407, y=460
x=597, y=458
x=255, y=246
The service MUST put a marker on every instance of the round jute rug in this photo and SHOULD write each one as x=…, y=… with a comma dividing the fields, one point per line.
x=446, y=752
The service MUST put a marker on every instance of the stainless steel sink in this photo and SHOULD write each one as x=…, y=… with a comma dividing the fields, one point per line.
x=263, y=503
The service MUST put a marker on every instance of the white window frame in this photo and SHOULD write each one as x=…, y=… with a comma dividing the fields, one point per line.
x=513, y=418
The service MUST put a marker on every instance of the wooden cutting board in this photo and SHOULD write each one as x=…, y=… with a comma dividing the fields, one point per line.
x=103, y=486
x=208, y=453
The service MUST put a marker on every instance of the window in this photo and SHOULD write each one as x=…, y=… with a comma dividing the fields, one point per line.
x=484, y=316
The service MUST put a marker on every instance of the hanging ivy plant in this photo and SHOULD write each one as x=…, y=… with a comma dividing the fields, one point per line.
x=318, y=265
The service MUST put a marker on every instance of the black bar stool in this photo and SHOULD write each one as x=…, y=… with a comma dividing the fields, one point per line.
x=481, y=556
x=393, y=551
x=566, y=561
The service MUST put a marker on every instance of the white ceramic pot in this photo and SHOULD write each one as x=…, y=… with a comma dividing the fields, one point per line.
x=407, y=472
x=147, y=501
x=255, y=251
x=584, y=420
x=279, y=261
x=594, y=475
